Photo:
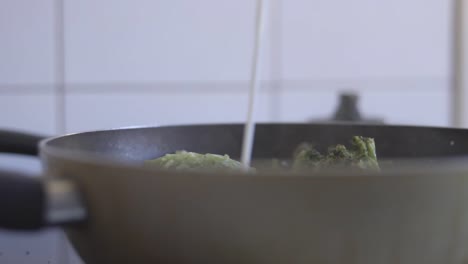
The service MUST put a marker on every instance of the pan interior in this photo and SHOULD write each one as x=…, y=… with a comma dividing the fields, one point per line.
x=271, y=140
x=137, y=216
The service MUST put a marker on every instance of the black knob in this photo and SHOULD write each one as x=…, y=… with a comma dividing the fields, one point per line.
x=347, y=109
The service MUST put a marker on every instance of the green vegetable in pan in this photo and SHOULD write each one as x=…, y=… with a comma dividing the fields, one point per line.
x=360, y=155
x=183, y=160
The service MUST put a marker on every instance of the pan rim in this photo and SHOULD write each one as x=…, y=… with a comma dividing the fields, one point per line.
x=415, y=166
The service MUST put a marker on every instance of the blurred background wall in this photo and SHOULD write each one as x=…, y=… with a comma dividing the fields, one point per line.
x=68, y=66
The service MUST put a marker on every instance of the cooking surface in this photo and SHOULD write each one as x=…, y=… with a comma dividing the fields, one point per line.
x=271, y=141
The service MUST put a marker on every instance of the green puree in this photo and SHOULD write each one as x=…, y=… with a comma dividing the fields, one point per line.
x=184, y=160
x=360, y=155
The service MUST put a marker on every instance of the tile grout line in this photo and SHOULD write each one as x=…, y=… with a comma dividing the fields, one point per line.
x=377, y=83
x=220, y=87
x=456, y=79
x=60, y=71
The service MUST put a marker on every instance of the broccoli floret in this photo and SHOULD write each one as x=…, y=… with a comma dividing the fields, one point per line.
x=337, y=157
x=364, y=152
x=361, y=155
x=306, y=156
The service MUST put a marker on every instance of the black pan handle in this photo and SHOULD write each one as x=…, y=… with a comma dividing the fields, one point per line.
x=19, y=142
x=22, y=201
x=28, y=203
x=31, y=203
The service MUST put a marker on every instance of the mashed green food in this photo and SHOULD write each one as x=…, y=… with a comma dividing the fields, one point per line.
x=360, y=154
x=184, y=160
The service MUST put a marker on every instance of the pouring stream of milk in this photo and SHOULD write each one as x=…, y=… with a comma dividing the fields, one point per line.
x=249, y=128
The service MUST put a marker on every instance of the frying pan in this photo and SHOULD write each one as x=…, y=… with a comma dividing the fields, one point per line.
x=114, y=210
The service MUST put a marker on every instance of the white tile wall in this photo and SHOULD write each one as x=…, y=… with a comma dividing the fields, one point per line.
x=365, y=38
x=391, y=99
x=149, y=62
x=33, y=112
x=418, y=106
x=415, y=106
x=420, y=101
x=211, y=40
x=26, y=41
x=89, y=111
x=158, y=40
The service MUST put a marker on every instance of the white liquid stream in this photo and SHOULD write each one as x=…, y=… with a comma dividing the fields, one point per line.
x=249, y=128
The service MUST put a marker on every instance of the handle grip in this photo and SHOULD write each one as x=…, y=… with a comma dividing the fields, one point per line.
x=19, y=142
x=28, y=203
x=22, y=201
